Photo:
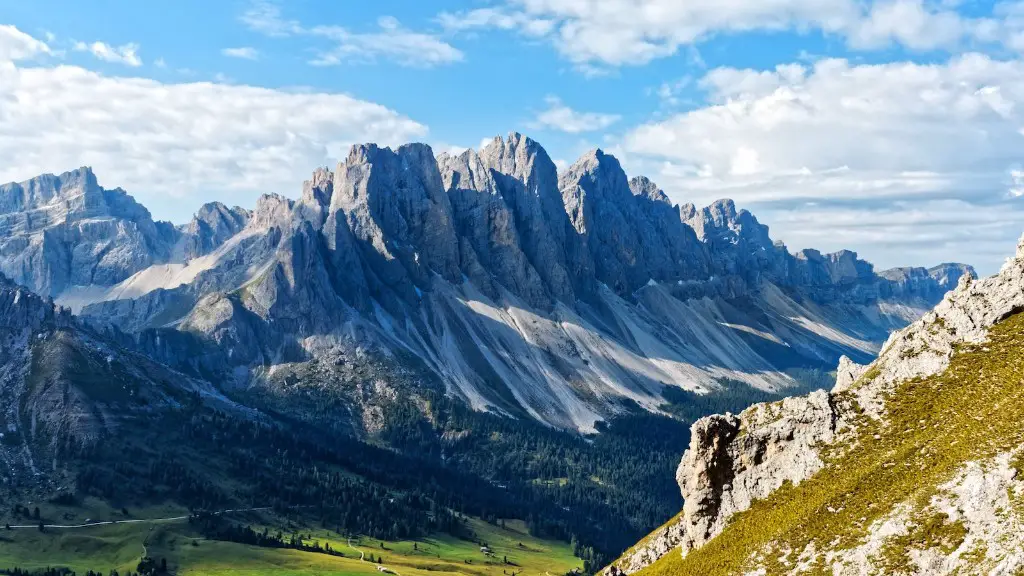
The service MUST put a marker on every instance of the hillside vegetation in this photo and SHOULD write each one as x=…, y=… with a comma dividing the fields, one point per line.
x=904, y=469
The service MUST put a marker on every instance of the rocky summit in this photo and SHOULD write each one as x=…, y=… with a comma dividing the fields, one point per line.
x=567, y=298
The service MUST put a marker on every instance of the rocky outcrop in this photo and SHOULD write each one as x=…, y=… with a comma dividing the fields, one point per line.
x=734, y=460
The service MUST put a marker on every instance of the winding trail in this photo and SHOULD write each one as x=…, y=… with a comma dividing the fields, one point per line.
x=362, y=556
x=133, y=521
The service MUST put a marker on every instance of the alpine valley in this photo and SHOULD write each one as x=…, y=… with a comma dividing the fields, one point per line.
x=476, y=363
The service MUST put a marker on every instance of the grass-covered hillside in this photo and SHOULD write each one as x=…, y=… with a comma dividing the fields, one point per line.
x=934, y=486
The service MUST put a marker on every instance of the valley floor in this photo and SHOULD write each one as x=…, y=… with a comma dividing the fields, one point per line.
x=159, y=534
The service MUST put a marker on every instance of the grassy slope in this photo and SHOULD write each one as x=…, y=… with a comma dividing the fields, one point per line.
x=122, y=546
x=933, y=426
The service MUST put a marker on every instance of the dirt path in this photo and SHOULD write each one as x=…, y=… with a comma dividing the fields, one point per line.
x=361, y=555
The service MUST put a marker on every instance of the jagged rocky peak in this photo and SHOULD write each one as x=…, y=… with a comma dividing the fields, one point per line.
x=948, y=274
x=490, y=247
x=24, y=312
x=211, y=226
x=395, y=206
x=739, y=245
x=272, y=210
x=522, y=158
x=632, y=232
x=720, y=220
x=63, y=231
x=527, y=180
x=643, y=186
x=594, y=183
x=319, y=188
x=842, y=267
x=45, y=189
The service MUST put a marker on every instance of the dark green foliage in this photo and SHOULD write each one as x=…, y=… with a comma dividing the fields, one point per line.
x=426, y=467
x=602, y=492
x=215, y=527
x=733, y=397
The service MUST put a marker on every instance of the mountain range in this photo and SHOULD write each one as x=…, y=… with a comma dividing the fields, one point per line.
x=414, y=345
x=567, y=298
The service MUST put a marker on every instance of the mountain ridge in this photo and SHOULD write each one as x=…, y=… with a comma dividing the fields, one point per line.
x=566, y=297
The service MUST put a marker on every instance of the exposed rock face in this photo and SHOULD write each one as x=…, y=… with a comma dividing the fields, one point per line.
x=628, y=227
x=528, y=181
x=62, y=387
x=734, y=460
x=395, y=206
x=739, y=244
x=490, y=245
x=672, y=250
x=211, y=227
x=62, y=231
x=563, y=299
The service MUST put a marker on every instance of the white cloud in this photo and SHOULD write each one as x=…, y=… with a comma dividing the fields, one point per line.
x=593, y=33
x=16, y=45
x=495, y=18
x=126, y=54
x=392, y=41
x=846, y=135
x=669, y=92
x=911, y=24
x=244, y=52
x=1017, y=183
x=894, y=117
x=923, y=232
x=177, y=145
x=560, y=117
x=265, y=17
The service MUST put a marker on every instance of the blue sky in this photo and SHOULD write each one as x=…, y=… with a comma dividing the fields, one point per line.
x=890, y=127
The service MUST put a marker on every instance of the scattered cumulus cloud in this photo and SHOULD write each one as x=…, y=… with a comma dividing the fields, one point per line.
x=243, y=52
x=669, y=93
x=390, y=41
x=560, y=117
x=609, y=33
x=265, y=17
x=126, y=54
x=496, y=18
x=16, y=45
